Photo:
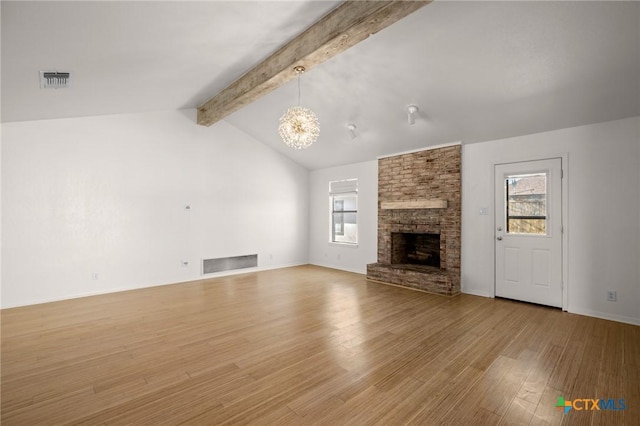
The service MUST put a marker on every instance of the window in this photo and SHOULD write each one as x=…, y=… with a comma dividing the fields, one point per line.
x=343, y=196
x=527, y=204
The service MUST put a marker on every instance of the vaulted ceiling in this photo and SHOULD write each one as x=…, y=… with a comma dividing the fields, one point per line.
x=477, y=70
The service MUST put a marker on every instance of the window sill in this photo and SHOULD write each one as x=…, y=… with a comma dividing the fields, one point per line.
x=334, y=243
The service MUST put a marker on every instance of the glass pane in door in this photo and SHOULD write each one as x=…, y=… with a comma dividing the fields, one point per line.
x=526, y=204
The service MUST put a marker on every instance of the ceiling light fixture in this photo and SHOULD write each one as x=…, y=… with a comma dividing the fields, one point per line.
x=299, y=126
x=352, y=130
x=412, y=110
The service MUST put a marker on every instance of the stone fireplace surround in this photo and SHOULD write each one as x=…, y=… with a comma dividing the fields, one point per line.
x=419, y=193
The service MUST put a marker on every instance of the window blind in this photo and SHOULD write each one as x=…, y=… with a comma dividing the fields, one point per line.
x=343, y=186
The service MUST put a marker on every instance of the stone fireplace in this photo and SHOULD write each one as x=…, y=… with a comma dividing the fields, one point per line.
x=419, y=210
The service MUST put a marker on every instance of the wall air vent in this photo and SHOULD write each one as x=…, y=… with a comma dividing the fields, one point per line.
x=54, y=79
x=210, y=266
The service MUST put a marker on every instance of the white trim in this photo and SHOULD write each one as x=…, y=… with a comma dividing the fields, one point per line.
x=339, y=267
x=579, y=311
x=429, y=148
x=605, y=316
x=565, y=230
x=121, y=289
x=338, y=243
x=477, y=293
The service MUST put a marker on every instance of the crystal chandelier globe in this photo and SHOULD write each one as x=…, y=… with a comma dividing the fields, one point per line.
x=299, y=127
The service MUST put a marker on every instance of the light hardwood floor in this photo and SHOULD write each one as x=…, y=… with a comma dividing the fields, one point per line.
x=309, y=345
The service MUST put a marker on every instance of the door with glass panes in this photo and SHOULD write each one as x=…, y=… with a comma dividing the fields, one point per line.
x=528, y=231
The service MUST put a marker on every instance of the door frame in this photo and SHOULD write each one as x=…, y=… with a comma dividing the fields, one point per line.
x=564, y=185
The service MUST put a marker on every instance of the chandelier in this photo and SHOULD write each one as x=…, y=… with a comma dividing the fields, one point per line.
x=299, y=126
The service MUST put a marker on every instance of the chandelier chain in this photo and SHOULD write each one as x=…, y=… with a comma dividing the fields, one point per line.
x=299, y=88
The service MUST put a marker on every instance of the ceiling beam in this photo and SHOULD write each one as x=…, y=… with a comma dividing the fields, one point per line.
x=345, y=26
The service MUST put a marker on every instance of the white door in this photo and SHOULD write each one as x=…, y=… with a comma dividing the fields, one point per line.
x=528, y=237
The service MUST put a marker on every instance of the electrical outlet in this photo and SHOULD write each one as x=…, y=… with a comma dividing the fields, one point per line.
x=185, y=263
x=95, y=276
x=611, y=296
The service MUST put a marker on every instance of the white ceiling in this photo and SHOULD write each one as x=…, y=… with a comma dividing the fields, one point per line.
x=477, y=70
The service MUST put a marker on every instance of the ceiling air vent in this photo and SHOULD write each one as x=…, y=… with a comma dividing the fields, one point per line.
x=54, y=79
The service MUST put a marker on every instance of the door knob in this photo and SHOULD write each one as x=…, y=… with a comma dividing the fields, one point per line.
x=499, y=238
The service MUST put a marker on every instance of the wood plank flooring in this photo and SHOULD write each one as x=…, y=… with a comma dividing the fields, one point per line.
x=309, y=345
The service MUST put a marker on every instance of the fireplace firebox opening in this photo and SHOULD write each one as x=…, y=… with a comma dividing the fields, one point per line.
x=415, y=249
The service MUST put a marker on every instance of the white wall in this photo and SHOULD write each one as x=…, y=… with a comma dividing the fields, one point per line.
x=0, y=211
x=341, y=256
x=106, y=195
x=603, y=218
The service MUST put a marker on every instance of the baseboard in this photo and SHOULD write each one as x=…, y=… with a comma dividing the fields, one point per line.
x=477, y=293
x=339, y=267
x=247, y=271
x=578, y=311
x=605, y=316
x=121, y=289
x=80, y=296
